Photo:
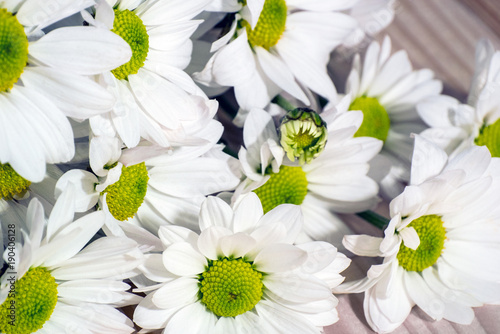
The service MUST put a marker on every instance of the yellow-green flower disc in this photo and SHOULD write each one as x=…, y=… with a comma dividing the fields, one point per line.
x=125, y=196
x=376, y=122
x=432, y=235
x=270, y=26
x=11, y=183
x=230, y=287
x=30, y=302
x=489, y=136
x=131, y=28
x=13, y=50
x=289, y=185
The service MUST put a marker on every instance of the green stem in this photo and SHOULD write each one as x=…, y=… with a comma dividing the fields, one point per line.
x=374, y=218
x=283, y=103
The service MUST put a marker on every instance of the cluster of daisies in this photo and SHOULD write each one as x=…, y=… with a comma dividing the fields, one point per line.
x=126, y=205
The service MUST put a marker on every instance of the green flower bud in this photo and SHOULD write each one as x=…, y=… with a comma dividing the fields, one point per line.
x=303, y=135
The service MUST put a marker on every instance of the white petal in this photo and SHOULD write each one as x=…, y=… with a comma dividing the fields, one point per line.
x=428, y=161
x=247, y=212
x=183, y=260
x=84, y=182
x=278, y=72
x=179, y=292
x=183, y=320
x=81, y=50
x=215, y=212
x=279, y=257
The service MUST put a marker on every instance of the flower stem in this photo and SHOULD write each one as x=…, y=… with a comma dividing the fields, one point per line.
x=283, y=103
x=374, y=218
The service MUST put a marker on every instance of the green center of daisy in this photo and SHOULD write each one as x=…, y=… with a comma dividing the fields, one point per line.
x=270, y=26
x=13, y=50
x=30, y=302
x=11, y=183
x=125, y=196
x=130, y=27
x=303, y=135
x=289, y=185
x=489, y=136
x=432, y=234
x=376, y=122
x=230, y=287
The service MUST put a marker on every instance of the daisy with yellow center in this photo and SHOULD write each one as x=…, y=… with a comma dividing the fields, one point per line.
x=166, y=189
x=44, y=79
x=321, y=175
x=54, y=283
x=242, y=273
x=440, y=248
x=276, y=46
x=156, y=100
x=387, y=90
x=455, y=126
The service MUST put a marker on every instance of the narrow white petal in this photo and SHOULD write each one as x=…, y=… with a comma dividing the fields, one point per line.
x=81, y=50
x=215, y=212
x=179, y=292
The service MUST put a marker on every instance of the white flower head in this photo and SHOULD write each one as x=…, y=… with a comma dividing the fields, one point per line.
x=156, y=99
x=165, y=188
x=334, y=181
x=59, y=285
x=387, y=90
x=241, y=274
x=440, y=249
x=279, y=46
x=455, y=126
x=44, y=79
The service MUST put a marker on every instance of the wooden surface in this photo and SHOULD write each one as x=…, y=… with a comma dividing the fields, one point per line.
x=440, y=35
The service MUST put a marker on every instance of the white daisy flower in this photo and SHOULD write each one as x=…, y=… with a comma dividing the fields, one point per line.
x=157, y=100
x=166, y=189
x=456, y=126
x=241, y=274
x=43, y=80
x=387, y=90
x=53, y=284
x=440, y=249
x=275, y=46
x=335, y=181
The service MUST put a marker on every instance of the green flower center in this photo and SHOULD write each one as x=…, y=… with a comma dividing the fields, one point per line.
x=125, y=196
x=489, y=136
x=230, y=287
x=30, y=302
x=13, y=50
x=11, y=183
x=432, y=234
x=270, y=26
x=130, y=27
x=376, y=122
x=289, y=185
x=303, y=135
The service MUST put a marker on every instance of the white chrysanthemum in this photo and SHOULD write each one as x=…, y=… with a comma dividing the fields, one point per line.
x=55, y=284
x=279, y=46
x=387, y=90
x=440, y=249
x=157, y=100
x=241, y=274
x=456, y=126
x=336, y=181
x=167, y=189
x=43, y=80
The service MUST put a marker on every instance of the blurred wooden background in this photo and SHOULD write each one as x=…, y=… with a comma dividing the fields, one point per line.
x=440, y=35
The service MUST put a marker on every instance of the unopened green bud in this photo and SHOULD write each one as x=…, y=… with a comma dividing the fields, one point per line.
x=303, y=135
